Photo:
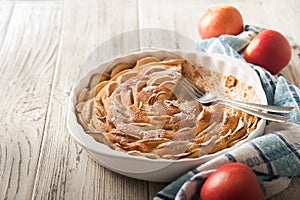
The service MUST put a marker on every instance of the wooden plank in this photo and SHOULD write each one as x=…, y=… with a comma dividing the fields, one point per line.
x=27, y=61
x=66, y=171
x=6, y=9
x=170, y=16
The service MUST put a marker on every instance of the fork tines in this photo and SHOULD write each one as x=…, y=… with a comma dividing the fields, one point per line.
x=190, y=88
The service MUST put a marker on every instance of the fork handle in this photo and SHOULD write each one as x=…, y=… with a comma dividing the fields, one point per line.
x=268, y=108
x=267, y=116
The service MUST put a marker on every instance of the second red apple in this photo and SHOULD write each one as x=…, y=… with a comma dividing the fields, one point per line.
x=270, y=50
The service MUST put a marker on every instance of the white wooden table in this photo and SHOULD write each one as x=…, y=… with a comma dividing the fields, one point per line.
x=42, y=47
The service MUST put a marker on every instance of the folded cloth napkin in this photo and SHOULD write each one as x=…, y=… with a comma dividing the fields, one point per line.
x=275, y=156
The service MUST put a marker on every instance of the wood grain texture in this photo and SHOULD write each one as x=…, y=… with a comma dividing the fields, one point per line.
x=65, y=169
x=6, y=10
x=28, y=54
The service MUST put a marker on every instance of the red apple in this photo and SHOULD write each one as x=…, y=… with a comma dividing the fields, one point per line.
x=233, y=181
x=220, y=20
x=270, y=50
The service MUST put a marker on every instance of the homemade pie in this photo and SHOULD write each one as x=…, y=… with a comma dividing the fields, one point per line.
x=135, y=109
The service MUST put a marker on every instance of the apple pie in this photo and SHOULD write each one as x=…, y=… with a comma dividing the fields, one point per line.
x=134, y=109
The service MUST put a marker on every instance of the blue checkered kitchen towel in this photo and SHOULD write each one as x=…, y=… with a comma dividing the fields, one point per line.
x=275, y=156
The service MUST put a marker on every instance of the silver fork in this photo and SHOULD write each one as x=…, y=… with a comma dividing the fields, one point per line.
x=190, y=90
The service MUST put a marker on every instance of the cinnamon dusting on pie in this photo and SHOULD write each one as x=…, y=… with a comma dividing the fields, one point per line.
x=134, y=109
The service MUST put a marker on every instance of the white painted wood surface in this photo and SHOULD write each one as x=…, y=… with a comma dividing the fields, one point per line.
x=44, y=44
